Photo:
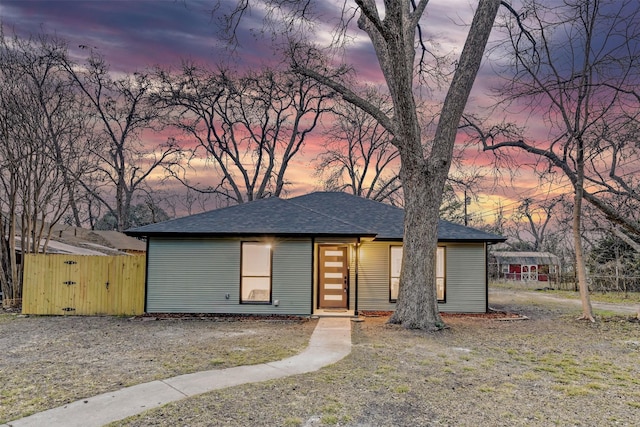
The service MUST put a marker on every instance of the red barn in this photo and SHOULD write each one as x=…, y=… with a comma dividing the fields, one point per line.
x=527, y=266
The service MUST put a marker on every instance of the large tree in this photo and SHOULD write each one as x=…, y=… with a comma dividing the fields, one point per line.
x=532, y=219
x=124, y=110
x=578, y=71
x=247, y=127
x=44, y=134
x=358, y=156
x=394, y=30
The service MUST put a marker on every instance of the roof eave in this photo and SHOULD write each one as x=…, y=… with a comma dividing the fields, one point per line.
x=450, y=240
x=243, y=234
x=172, y=234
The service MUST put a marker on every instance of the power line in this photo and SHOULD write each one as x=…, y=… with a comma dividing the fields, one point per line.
x=486, y=213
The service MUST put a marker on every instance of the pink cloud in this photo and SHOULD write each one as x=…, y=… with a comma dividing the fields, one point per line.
x=135, y=35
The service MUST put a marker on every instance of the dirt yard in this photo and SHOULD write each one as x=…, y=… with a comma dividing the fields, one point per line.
x=49, y=361
x=548, y=370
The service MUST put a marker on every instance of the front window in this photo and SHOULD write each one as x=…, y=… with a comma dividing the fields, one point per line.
x=440, y=273
x=255, y=281
x=394, y=272
x=396, y=263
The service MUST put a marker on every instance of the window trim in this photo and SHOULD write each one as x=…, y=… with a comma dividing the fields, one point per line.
x=444, y=258
x=270, y=276
x=444, y=278
x=392, y=300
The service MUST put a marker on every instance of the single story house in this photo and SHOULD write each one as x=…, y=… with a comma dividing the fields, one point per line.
x=526, y=266
x=319, y=253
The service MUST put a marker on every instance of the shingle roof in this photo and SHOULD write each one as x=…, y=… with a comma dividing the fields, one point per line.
x=315, y=214
x=513, y=257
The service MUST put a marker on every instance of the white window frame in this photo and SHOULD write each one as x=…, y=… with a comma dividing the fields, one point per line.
x=440, y=267
x=263, y=273
x=441, y=274
x=394, y=271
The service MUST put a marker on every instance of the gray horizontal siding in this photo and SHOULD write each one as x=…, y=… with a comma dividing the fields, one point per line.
x=292, y=281
x=192, y=276
x=195, y=275
x=373, y=277
x=466, y=279
x=465, y=287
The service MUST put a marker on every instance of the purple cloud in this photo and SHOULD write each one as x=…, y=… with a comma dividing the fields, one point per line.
x=131, y=35
x=137, y=34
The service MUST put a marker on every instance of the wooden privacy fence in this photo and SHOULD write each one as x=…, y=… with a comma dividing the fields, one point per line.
x=83, y=284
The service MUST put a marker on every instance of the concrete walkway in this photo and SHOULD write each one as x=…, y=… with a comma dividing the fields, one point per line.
x=330, y=342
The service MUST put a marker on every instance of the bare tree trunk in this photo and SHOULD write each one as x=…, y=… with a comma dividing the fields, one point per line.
x=587, y=310
x=423, y=179
x=13, y=259
x=5, y=281
x=417, y=304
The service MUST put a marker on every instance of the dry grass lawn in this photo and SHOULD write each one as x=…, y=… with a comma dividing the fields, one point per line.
x=49, y=361
x=548, y=370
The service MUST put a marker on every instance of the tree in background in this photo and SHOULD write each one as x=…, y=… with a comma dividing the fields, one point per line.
x=124, y=110
x=541, y=226
x=533, y=219
x=578, y=69
x=139, y=215
x=614, y=263
x=44, y=150
x=359, y=157
x=246, y=128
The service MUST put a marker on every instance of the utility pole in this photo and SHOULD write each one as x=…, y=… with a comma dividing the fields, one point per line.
x=466, y=202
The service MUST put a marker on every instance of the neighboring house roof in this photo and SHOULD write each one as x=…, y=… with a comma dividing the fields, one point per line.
x=315, y=214
x=68, y=239
x=526, y=258
x=116, y=240
x=55, y=247
x=110, y=242
x=63, y=248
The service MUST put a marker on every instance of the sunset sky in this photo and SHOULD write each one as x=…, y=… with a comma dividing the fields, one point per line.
x=133, y=35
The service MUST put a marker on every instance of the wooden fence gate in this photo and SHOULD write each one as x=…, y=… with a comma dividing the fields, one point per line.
x=83, y=284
